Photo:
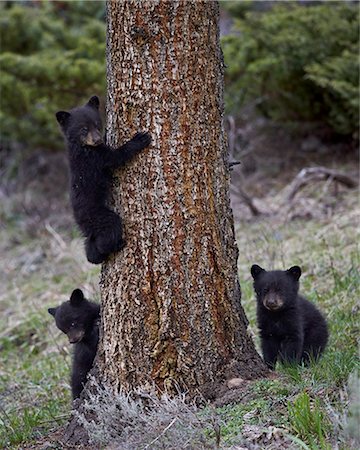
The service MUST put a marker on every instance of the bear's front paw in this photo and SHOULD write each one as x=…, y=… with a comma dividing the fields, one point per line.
x=141, y=140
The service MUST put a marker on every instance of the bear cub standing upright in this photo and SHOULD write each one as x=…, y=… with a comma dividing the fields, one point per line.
x=91, y=166
x=78, y=318
x=291, y=328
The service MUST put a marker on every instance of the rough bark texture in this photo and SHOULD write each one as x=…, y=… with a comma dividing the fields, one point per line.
x=171, y=311
x=171, y=299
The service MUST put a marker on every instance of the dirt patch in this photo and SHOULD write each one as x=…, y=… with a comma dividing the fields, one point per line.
x=271, y=438
x=55, y=440
x=237, y=390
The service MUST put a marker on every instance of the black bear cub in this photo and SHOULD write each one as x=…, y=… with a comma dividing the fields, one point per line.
x=91, y=166
x=291, y=328
x=79, y=318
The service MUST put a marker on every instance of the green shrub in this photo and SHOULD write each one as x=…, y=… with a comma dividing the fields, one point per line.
x=52, y=57
x=308, y=421
x=297, y=63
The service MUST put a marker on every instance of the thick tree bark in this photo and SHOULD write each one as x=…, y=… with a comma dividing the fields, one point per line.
x=171, y=299
x=171, y=311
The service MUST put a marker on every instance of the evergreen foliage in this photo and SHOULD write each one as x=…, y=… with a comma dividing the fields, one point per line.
x=52, y=57
x=296, y=63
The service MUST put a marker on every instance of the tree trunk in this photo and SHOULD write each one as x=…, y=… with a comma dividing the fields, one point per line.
x=171, y=299
x=171, y=311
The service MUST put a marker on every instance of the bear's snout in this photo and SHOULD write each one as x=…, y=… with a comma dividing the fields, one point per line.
x=273, y=302
x=92, y=139
x=75, y=336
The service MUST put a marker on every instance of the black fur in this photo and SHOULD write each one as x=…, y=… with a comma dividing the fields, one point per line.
x=79, y=318
x=91, y=166
x=291, y=328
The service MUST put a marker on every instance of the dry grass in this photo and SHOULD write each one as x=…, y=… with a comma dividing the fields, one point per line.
x=141, y=420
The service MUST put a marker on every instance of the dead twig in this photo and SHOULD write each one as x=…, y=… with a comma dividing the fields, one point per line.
x=58, y=239
x=162, y=433
x=311, y=174
x=307, y=176
x=238, y=190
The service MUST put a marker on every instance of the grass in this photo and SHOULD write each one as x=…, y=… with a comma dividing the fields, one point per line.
x=328, y=253
x=308, y=420
x=34, y=393
x=38, y=272
x=313, y=407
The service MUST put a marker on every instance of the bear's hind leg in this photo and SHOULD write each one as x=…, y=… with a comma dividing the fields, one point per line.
x=109, y=235
x=92, y=253
x=314, y=346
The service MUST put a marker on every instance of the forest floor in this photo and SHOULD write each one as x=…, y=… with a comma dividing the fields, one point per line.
x=43, y=261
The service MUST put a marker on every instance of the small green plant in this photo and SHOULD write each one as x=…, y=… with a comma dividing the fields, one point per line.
x=308, y=421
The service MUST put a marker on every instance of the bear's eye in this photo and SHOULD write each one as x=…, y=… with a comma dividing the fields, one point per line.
x=73, y=324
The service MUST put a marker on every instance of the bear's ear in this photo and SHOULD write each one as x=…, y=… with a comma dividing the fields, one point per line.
x=94, y=102
x=63, y=117
x=76, y=297
x=295, y=272
x=256, y=271
x=52, y=311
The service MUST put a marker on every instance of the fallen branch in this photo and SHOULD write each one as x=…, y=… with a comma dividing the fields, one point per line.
x=237, y=190
x=310, y=174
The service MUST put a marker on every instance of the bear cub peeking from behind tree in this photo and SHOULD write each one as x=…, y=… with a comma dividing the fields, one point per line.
x=292, y=329
x=79, y=319
x=91, y=166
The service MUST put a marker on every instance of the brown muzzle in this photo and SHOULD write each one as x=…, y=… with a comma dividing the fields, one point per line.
x=75, y=336
x=273, y=302
x=93, y=139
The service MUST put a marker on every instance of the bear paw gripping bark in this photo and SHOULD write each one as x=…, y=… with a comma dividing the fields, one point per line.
x=91, y=166
x=78, y=318
x=291, y=328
